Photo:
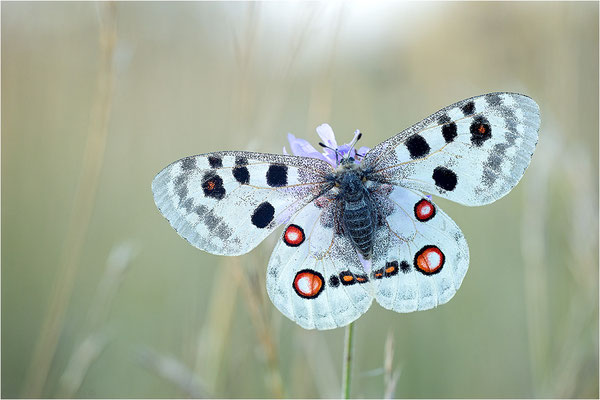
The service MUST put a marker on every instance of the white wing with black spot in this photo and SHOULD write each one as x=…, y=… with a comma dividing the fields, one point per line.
x=422, y=267
x=472, y=152
x=315, y=276
x=227, y=202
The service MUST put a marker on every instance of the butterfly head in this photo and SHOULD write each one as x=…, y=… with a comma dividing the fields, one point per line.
x=344, y=154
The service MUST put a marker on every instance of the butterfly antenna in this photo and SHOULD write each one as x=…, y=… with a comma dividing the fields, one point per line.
x=354, y=143
x=336, y=151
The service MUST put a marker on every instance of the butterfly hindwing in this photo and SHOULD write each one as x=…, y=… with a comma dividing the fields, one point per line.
x=227, y=202
x=420, y=267
x=472, y=152
x=314, y=275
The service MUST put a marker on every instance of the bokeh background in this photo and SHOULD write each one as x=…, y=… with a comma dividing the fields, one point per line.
x=101, y=298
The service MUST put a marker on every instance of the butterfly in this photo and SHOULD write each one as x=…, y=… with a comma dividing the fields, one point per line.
x=360, y=228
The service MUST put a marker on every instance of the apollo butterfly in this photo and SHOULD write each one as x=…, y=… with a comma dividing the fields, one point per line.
x=357, y=224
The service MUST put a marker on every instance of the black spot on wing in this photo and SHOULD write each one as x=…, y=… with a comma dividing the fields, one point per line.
x=188, y=204
x=216, y=225
x=468, y=108
x=241, y=174
x=347, y=278
x=263, y=215
x=277, y=175
x=201, y=210
x=180, y=187
x=391, y=268
x=215, y=162
x=493, y=99
x=444, y=178
x=182, y=192
x=334, y=281
x=443, y=119
x=188, y=163
x=417, y=146
x=180, y=180
x=404, y=267
x=480, y=130
x=449, y=132
x=212, y=185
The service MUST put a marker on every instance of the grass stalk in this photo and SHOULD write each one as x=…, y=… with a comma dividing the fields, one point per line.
x=348, y=355
x=81, y=213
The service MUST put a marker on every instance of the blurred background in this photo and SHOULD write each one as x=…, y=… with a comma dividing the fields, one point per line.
x=101, y=297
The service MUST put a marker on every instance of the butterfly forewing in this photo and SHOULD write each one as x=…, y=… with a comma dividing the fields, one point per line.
x=472, y=152
x=227, y=202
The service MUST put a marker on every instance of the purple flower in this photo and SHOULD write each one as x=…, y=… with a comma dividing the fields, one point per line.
x=301, y=147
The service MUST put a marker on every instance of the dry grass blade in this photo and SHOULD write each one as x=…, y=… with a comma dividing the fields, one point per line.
x=533, y=226
x=573, y=359
x=257, y=307
x=390, y=377
x=322, y=369
x=82, y=358
x=81, y=213
x=559, y=378
x=216, y=331
x=90, y=348
x=174, y=371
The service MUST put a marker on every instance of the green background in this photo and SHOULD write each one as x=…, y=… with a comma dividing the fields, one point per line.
x=101, y=298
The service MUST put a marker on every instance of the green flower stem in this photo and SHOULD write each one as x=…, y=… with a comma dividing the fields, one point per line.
x=348, y=354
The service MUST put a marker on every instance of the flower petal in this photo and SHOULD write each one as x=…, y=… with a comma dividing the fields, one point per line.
x=301, y=147
x=344, y=149
x=363, y=150
x=326, y=134
x=330, y=157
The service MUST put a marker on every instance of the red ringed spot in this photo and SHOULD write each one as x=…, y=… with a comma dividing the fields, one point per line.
x=308, y=284
x=481, y=129
x=429, y=260
x=210, y=185
x=293, y=236
x=424, y=210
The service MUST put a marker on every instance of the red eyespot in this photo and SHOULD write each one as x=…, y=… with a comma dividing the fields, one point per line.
x=308, y=283
x=429, y=260
x=424, y=210
x=293, y=236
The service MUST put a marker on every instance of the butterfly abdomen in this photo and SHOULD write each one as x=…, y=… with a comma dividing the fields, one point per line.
x=358, y=219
